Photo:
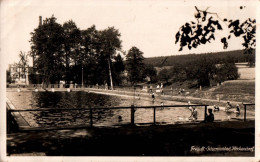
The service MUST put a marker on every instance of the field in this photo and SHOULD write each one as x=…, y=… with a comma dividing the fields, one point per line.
x=246, y=73
x=241, y=91
x=237, y=86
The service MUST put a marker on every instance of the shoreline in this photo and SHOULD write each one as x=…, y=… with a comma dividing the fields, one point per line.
x=179, y=98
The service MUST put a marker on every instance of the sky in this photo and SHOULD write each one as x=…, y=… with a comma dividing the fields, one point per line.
x=150, y=25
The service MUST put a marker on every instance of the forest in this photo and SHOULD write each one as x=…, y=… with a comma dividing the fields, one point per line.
x=219, y=57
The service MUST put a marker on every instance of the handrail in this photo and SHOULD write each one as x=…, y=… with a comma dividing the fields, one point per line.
x=132, y=108
x=245, y=109
x=248, y=104
x=99, y=108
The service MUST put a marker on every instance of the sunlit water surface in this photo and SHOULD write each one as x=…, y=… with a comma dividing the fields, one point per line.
x=103, y=117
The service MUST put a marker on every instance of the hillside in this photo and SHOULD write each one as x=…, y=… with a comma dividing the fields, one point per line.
x=245, y=72
x=237, y=55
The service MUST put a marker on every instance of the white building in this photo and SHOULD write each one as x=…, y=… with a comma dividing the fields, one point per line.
x=19, y=75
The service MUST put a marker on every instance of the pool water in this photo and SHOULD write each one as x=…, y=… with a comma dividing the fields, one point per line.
x=101, y=117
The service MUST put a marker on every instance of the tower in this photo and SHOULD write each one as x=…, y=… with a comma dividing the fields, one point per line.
x=40, y=20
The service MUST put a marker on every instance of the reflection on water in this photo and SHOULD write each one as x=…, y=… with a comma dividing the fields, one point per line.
x=104, y=117
x=72, y=100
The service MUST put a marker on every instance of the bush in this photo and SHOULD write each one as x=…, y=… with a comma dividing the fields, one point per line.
x=227, y=71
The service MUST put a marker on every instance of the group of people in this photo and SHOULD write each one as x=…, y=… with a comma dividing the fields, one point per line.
x=194, y=114
x=230, y=106
x=159, y=88
x=210, y=115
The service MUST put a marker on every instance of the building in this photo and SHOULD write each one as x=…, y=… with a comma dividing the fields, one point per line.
x=19, y=74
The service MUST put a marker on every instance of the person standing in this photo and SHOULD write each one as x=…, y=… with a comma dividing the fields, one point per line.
x=151, y=88
x=238, y=108
x=210, y=116
x=161, y=88
x=194, y=113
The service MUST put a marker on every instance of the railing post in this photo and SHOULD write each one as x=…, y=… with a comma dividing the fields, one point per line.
x=205, y=113
x=244, y=112
x=91, y=117
x=8, y=120
x=132, y=115
x=154, y=115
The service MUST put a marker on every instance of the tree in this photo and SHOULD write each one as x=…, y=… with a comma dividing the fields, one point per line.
x=164, y=75
x=192, y=34
x=88, y=58
x=47, y=46
x=226, y=71
x=178, y=72
x=135, y=65
x=72, y=38
x=8, y=77
x=150, y=71
x=23, y=64
x=109, y=40
x=117, y=69
x=251, y=60
x=203, y=70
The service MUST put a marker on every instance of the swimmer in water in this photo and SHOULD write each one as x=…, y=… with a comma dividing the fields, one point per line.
x=229, y=106
x=216, y=108
x=120, y=118
x=153, y=97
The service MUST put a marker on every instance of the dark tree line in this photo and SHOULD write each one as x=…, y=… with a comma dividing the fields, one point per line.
x=237, y=55
x=64, y=52
x=201, y=72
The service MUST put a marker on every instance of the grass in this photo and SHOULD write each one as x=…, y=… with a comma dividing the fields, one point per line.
x=236, y=90
x=246, y=73
x=238, y=86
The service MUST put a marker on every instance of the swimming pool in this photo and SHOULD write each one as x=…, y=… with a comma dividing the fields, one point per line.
x=101, y=117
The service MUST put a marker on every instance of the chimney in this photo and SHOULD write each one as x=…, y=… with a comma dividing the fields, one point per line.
x=40, y=20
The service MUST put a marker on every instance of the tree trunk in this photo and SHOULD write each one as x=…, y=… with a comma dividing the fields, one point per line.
x=110, y=75
x=67, y=69
x=25, y=75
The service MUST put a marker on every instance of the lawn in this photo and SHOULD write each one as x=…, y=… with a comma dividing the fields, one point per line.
x=246, y=73
x=237, y=86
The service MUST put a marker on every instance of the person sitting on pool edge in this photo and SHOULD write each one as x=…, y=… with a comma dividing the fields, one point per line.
x=210, y=116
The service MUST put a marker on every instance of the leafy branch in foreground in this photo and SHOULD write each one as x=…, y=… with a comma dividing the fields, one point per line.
x=192, y=34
